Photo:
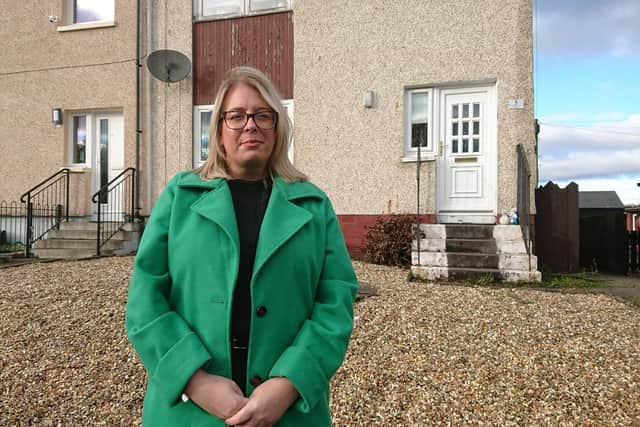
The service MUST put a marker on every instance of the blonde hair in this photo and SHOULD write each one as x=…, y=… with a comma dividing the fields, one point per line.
x=279, y=163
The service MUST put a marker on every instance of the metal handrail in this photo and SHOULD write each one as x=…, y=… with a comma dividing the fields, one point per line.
x=46, y=200
x=122, y=214
x=524, y=194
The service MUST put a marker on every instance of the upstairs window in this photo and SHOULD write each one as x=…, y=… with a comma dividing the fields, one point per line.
x=220, y=9
x=83, y=11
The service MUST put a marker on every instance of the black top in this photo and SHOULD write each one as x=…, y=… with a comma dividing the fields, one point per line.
x=250, y=200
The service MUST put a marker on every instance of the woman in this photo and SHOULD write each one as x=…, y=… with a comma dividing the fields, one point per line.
x=241, y=299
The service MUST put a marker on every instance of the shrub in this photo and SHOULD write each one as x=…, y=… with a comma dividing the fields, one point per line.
x=388, y=240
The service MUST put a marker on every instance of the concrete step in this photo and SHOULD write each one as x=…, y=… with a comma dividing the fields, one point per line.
x=468, y=231
x=455, y=259
x=88, y=234
x=484, y=246
x=93, y=226
x=460, y=259
x=67, y=253
x=88, y=244
x=439, y=273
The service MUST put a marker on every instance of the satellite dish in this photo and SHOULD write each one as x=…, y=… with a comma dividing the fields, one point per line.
x=168, y=65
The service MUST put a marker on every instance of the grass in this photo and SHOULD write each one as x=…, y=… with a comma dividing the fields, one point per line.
x=571, y=281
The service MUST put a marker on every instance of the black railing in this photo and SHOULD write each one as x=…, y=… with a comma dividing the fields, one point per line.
x=47, y=204
x=115, y=206
x=524, y=195
x=13, y=226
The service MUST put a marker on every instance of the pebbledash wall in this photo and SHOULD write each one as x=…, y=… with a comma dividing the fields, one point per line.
x=345, y=49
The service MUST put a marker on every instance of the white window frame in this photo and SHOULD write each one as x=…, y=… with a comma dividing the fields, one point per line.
x=198, y=109
x=245, y=10
x=411, y=153
x=89, y=122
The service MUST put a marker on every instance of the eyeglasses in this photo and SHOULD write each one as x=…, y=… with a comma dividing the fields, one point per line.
x=237, y=120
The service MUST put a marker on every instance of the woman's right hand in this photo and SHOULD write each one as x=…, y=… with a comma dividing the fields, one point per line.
x=219, y=396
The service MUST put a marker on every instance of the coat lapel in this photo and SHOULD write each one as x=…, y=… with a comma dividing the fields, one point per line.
x=217, y=206
x=281, y=221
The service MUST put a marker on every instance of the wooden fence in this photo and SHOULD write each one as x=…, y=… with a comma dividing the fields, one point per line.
x=634, y=251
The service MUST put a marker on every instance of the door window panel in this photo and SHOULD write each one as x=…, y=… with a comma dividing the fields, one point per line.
x=460, y=119
x=104, y=157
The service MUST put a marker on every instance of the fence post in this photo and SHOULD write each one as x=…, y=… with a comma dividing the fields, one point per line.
x=66, y=203
x=29, y=230
x=98, y=227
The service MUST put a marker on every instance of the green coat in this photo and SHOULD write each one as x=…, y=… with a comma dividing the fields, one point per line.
x=179, y=305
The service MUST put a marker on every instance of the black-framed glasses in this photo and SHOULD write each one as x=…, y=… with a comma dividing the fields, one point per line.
x=237, y=120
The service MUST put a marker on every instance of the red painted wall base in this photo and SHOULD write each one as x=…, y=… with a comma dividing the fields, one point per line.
x=354, y=228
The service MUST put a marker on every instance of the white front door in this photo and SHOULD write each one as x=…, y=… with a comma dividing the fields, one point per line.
x=466, y=156
x=108, y=159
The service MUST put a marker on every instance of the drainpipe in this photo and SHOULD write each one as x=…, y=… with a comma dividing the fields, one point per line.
x=138, y=130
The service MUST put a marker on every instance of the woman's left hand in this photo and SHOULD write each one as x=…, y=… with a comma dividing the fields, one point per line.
x=266, y=405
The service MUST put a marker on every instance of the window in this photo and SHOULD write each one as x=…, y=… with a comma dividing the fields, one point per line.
x=202, y=123
x=80, y=131
x=220, y=9
x=418, y=130
x=86, y=11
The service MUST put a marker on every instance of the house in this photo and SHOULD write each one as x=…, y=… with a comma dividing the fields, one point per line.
x=603, y=235
x=632, y=218
x=376, y=80
x=367, y=84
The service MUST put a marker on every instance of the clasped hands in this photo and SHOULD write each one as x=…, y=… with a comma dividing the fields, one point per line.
x=222, y=398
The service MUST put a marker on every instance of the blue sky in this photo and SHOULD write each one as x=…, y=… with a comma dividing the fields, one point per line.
x=587, y=94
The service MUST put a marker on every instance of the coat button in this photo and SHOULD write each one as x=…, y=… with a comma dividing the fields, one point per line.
x=261, y=311
x=255, y=380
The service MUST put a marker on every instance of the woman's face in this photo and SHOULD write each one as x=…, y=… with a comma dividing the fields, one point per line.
x=249, y=148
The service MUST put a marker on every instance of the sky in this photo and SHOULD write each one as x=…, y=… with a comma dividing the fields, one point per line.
x=587, y=94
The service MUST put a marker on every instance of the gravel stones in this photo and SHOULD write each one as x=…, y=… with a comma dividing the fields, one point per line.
x=421, y=354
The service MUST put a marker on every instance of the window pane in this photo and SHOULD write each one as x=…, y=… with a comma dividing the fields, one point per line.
x=205, y=123
x=419, y=135
x=465, y=111
x=256, y=5
x=465, y=145
x=476, y=110
x=454, y=111
x=79, y=139
x=465, y=128
x=104, y=157
x=476, y=145
x=419, y=107
x=454, y=129
x=93, y=10
x=476, y=128
x=222, y=7
x=454, y=146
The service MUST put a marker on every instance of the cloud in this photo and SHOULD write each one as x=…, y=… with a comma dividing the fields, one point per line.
x=573, y=28
x=626, y=189
x=600, y=150
x=590, y=165
x=558, y=137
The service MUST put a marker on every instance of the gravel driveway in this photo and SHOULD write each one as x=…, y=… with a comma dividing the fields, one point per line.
x=421, y=354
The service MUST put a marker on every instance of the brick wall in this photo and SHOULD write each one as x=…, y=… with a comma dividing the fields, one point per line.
x=354, y=228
